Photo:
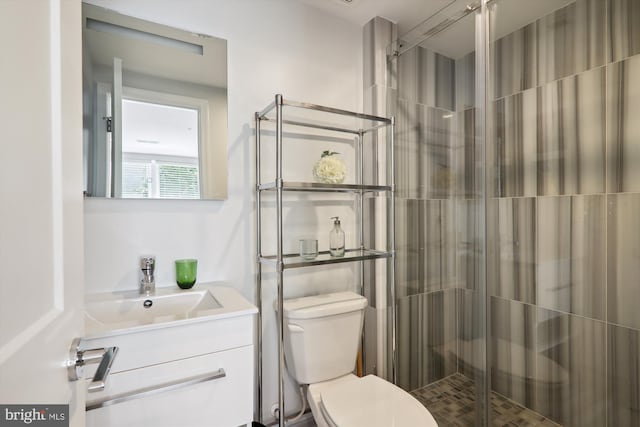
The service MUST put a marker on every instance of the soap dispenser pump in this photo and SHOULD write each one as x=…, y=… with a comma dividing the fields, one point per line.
x=336, y=239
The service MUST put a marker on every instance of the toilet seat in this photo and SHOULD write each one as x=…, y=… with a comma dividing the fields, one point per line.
x=369, y=401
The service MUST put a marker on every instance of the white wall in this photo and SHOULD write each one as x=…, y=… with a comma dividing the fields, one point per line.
x=274, y=46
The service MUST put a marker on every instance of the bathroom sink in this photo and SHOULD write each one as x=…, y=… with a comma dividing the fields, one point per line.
x=152, y=309
x=125, y=311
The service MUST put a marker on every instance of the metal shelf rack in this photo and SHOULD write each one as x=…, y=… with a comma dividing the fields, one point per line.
x=275, y=112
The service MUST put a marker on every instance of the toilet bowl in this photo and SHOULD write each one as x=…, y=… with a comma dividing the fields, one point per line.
x=322, y=335
x=369, y=401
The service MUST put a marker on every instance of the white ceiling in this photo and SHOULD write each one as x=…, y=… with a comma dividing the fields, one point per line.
x=159, y=129
x=406, y=13
x=457, y=40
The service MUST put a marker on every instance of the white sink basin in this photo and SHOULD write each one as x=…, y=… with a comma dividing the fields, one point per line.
x=126, y=311
x=152, y=309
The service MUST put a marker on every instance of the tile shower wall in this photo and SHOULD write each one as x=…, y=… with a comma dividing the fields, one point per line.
x=564, y=203
x=564, y=257
x=426, y=230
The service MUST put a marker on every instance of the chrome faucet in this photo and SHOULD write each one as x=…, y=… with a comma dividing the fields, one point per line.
x=148, y=282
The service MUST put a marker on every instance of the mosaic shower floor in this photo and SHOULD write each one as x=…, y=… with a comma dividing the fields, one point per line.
x=451, y=401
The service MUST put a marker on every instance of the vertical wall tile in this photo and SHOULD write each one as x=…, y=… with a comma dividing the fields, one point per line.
x=427, y=78
x=624, y=31
x=371, y=206
x=571, y=40
x=470, y=334
x=493, y=260
x=623, y=377
x=550, y=147
x=516, y=139
x=589, y=135
x=371, y=334
x=571, y=254
x=591, y=37
x=408, y=76
x=515, y=61
x=448, y=262
x=436, y=135
x=426, y=338
x=570, y=369
x=623, y=126
x=513, y=367
x=409, y=254
x=424, y=152
x=512, y=237
x=431, y=244
x=445, y=83
x=409, y=152
x=571, y=135
x=623, y=259
x=425, y=246
x=465, y=89
x=469, y=250
x=466, y=155
x=379, y=101
x=378, y=34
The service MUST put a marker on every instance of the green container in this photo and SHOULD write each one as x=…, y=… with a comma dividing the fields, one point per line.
x=186, y=272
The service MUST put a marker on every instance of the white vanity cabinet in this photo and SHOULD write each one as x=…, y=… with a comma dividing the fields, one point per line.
x=194, y=372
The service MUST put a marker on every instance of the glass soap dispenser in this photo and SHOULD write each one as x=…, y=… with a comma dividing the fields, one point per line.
x=336, y=239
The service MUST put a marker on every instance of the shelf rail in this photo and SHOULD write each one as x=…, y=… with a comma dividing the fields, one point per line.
x=327, y=188
x=316, y=107
x=381, y=121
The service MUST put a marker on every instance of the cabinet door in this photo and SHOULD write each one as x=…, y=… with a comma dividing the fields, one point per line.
x=225, y=401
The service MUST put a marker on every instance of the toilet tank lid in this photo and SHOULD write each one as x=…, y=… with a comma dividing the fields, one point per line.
x=323, y=305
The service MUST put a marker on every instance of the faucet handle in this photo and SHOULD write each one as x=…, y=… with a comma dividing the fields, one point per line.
x=148, y=263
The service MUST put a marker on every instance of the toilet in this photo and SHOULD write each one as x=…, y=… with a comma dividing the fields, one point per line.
x=321, y=339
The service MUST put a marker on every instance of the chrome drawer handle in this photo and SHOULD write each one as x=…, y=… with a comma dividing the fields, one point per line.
x=100, y=377
x=78, y=359
x=156, y=389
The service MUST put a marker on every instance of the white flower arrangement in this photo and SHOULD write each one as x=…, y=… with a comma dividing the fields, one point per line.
x=330, y=169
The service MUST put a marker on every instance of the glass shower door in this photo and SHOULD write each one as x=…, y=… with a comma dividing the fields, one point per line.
x=440, y=243
x=517, y=240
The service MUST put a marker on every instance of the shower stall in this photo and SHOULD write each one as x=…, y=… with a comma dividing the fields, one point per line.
x=517, y=210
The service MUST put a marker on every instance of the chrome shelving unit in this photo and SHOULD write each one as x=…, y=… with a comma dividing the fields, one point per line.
x=275, y=113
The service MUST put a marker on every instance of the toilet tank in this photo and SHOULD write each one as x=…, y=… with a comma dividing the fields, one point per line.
x=322, y=335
